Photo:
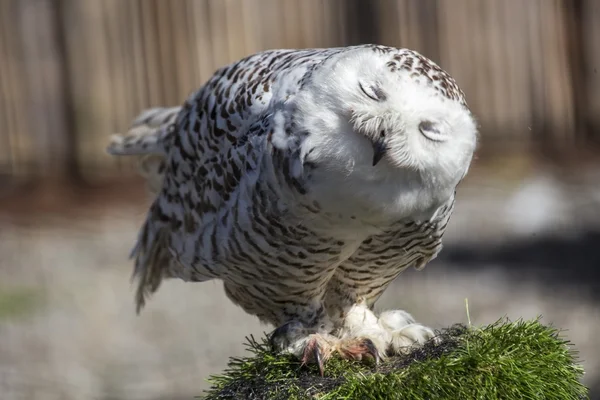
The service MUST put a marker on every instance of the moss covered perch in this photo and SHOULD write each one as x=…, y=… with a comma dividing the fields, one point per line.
x=505, y=360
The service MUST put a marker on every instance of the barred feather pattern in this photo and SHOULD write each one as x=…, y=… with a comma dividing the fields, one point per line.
x=381, y=258
x=236, y=201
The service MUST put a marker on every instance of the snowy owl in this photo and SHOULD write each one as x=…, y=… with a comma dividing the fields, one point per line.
x=306, y=181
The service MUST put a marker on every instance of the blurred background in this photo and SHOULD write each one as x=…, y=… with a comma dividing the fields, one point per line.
x=522, y=242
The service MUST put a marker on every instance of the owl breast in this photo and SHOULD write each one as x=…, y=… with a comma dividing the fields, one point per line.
x=382, y=257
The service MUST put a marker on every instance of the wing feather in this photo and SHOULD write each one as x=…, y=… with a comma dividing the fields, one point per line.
x=214, y=157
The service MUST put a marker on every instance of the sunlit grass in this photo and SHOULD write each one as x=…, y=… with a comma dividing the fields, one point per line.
x=504, y=360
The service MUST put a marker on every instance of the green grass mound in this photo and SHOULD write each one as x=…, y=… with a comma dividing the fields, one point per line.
x=505, y=360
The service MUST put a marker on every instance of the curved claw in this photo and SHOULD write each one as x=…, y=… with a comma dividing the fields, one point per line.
x=357, y=349
x=313, y=351
x=318, y=358
x=372, y=350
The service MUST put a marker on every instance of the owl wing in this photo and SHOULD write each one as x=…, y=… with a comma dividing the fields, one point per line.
x=211, y=154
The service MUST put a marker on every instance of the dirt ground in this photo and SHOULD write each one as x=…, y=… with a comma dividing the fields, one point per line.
x=516, y=247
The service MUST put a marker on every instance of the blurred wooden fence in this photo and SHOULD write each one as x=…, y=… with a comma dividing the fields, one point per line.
x=73, y=71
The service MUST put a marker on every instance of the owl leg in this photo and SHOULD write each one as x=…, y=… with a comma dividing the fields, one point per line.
x=307, y=344
x=318, y=346
x=394, y=332
x=361, y=334
x=404, y=331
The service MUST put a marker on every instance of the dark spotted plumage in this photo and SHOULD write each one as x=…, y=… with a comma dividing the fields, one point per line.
x=241, y=182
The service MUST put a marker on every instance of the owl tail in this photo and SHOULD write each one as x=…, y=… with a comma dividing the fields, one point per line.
x=147, y=139
x=151, y=259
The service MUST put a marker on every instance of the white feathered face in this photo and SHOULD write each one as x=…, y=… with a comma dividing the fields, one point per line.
x=377, y=116
x=406, y=122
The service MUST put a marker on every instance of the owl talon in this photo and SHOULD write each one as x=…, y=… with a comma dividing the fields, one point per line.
x=358, y=348
x=372, y=350
x=316, y=350
x=313, y=352
x=318, y=358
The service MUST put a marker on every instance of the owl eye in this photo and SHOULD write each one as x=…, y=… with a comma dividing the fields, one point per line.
x=373, y=92
x=432, y=131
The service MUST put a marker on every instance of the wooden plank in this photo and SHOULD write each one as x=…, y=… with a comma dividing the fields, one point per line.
x=529, y=69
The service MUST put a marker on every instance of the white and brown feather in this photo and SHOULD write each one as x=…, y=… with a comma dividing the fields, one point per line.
x=238, y=207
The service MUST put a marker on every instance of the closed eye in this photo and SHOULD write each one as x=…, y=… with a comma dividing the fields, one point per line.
x=373, y=92
x=432, y=131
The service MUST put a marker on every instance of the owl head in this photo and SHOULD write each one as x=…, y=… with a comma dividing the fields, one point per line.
x=386, y=123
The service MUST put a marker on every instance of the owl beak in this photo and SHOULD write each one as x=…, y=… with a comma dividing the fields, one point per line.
x=379, y=149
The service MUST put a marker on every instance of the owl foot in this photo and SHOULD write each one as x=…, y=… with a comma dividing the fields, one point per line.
x=404, y=332
x=361, y=330
x=392, y=333
x=317, y=348
x=357, y=349
x=294, y=338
